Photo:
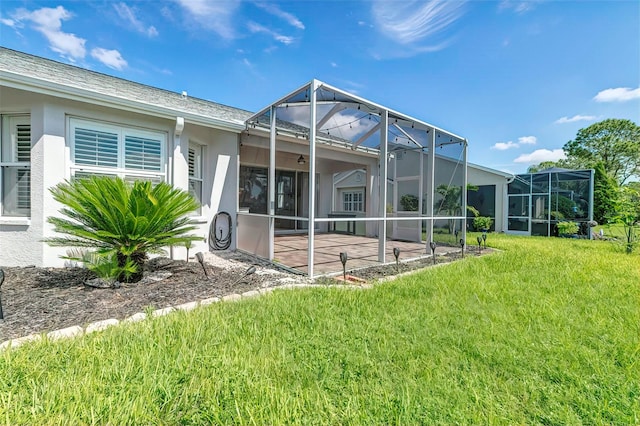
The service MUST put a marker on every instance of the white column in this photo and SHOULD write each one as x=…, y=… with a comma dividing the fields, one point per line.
x=464, y=192
x=312, y=174
x=272, y=181
x=382, y=208
x=431, y=175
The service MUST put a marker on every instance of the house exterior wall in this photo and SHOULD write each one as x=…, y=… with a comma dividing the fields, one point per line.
x=220, y=180
x=21, y=238
x=481, y=177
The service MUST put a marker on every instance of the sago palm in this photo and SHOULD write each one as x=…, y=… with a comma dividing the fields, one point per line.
x=122, y=220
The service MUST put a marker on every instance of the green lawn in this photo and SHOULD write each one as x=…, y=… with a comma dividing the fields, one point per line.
x=545, y=332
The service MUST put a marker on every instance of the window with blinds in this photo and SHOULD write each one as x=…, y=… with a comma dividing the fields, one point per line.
x=195, y=174
x=142, y=153
x=107, y=149
x=95, y=148
x=15, y=166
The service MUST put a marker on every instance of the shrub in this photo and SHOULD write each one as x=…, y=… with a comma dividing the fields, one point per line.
x=482, y=222
x=567, y=228
x=123, y=222
x=409, y=203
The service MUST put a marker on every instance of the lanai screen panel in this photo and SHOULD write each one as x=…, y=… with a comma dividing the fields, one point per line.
x=449, y=189
x=408, y=149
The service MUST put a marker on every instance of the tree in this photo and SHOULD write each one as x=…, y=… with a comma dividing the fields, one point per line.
x=123, y=222
x=605, y=195
x=542, y=166
x=627, y=214
x=614, y=142
x=450, y=202
x=633, y=193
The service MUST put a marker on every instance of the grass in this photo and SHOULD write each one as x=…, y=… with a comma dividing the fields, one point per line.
x=544, y=332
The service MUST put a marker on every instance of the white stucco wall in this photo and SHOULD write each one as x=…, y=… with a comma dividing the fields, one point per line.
x=21, y=239
x=220, y=180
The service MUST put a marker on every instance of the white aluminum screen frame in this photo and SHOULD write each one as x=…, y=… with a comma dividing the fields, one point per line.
x=266, y=122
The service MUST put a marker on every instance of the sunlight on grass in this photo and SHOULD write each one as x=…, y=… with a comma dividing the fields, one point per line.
x=544, y=331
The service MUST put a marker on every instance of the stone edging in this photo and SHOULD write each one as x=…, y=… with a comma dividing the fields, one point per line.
x=76, y=330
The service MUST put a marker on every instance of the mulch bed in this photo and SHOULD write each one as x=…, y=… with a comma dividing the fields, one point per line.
x=375, y=273
x=36, y=300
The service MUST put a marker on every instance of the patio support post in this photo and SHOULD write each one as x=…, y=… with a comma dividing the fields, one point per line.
x=272, y=180
x=464, y=190
x=382, y=208
x=421, y=196
x=313, y=86
x=431, y=175
x=591, y=189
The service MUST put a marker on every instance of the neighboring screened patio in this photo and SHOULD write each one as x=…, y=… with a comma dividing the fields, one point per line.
x=538, y=201
x=293, y=149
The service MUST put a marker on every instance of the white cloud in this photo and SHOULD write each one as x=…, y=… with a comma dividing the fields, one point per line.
x=502, y=146
x=334, y=65
x=413, y=22
x=276, y=11
x=347, y=125
x=523, y=140
x=129, y=16
x=575, y=118
x=48, y=21
x=527, y=140
x=214, y=15
x=110, y=58
x=8, y=22
x=620, y=94
x=519, y=7
x=257, y=28
x=540, y=155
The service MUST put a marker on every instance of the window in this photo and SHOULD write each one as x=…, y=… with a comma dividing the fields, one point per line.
x=15, y=166
x=195, y=174
x=352, y=201
x=110, y=150
x=253, y=189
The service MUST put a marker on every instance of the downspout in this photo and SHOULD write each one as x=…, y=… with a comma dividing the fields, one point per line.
x=172, y=158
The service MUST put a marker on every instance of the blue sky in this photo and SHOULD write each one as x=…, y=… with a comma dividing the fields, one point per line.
x=518, y=79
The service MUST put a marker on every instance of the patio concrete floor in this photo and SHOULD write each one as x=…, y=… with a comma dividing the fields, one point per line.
x=291, y=251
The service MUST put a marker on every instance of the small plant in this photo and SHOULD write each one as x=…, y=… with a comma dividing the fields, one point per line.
x=188, y=245
x=104, y=265
x=123, y=222
x=567, y=228
x=482, y=223
x=409, y=203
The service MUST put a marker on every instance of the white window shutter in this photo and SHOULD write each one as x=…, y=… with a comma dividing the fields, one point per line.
x=95, y=147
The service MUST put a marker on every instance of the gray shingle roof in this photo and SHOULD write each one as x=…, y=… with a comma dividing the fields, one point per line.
x=50, y=72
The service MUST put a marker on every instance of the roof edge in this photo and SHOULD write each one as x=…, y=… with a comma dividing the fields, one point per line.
x=41, y=86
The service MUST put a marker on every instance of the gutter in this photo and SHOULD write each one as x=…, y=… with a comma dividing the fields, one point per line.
x=96, y=98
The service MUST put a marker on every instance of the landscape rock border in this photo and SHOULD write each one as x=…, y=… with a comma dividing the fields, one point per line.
x=77, y=331
x=358, y=284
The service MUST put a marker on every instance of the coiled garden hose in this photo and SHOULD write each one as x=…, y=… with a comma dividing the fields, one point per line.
x=217, y=239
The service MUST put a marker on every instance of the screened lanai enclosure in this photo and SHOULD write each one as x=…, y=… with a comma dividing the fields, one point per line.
x=410, y=177
x=538, y=201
